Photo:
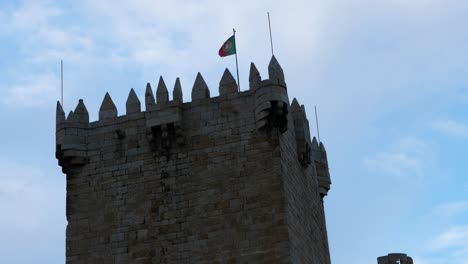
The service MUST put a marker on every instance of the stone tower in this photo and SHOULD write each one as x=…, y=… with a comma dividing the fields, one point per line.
x=229, y=179
x=395, y=258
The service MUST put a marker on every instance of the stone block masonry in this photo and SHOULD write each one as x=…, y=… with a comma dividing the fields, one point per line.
x=230, y=179
x=395, y=258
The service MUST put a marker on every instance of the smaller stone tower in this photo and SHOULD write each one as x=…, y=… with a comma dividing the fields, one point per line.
x=395, y=258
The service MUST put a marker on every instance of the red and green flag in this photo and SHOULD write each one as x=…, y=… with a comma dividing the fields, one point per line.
x=229, y=47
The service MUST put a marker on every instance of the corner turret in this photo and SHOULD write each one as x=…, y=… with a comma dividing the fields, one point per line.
x=71, y=148
x=271, y=99
x=319, y=155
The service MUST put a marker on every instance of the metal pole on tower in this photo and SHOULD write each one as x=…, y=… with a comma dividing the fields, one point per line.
x=271, y=39
x=61, y=77
x=237, y=65
x=316, y=122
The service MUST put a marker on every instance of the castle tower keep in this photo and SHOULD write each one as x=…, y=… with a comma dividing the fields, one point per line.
x=229, y=179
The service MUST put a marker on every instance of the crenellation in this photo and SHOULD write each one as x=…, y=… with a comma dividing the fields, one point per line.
x=200, y=89
x=177, y=93
x=162, y=95
x=59, y=115
x=150, y=102
x=301, y=131
x=133, y=104
x=81, y=115
x=107, y=109
x=254, y=77
x=227, y=84
x=213, y=180
x=70, y=116
x=306, y=123
x=275, y=72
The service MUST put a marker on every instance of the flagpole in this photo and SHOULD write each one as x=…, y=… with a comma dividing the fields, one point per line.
x=316, y=122
x=271, y=39
x=61, y=77
x=237, y=65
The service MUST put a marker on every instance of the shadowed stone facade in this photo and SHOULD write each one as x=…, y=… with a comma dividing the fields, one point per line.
x=395, y=258
x=230, y=179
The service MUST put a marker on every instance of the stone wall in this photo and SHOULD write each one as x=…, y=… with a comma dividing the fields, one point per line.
x=305, y=212
x=216, y=180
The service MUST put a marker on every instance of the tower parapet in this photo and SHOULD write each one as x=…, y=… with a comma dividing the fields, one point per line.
x=171, y=183
x=394, y=258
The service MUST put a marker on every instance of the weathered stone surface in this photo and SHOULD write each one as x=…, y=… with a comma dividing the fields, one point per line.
x=177, y=93
x=301, y=127
x=133, y=104
x=150, y=103
x=108, y=109
x=254, y=77
x=70, y=116
x=196, y=182
x=227, y=84
x=200, y=89
x=60, y=115
x=275, y=72
x=81, y=113
x=162, y=95
x=395, y=258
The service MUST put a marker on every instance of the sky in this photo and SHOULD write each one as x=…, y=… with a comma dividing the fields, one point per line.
x=389, y=79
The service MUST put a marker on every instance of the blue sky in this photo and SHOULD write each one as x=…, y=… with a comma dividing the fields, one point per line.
x=390, y=79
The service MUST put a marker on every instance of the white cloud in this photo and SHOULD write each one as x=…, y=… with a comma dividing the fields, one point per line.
x=34, y=91
x=25, y=197
x=407, y=156
x=456, y=236
x=452, y=208
x=450, y=246
x=451, y=127
x=453, y=243
x=33, y=14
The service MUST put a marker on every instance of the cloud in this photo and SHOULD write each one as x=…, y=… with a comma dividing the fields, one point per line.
x=32, y=15
x=407, y=156
x=25, y=197
x=454, y=237
x=450, y=246
x=34, y=91
x=452, y=208
x=451, y=127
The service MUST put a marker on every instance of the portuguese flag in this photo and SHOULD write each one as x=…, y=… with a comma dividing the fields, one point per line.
x=229, y=47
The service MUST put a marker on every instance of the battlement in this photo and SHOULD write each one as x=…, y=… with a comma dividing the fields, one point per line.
x=238, y=144
x=393, y=258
